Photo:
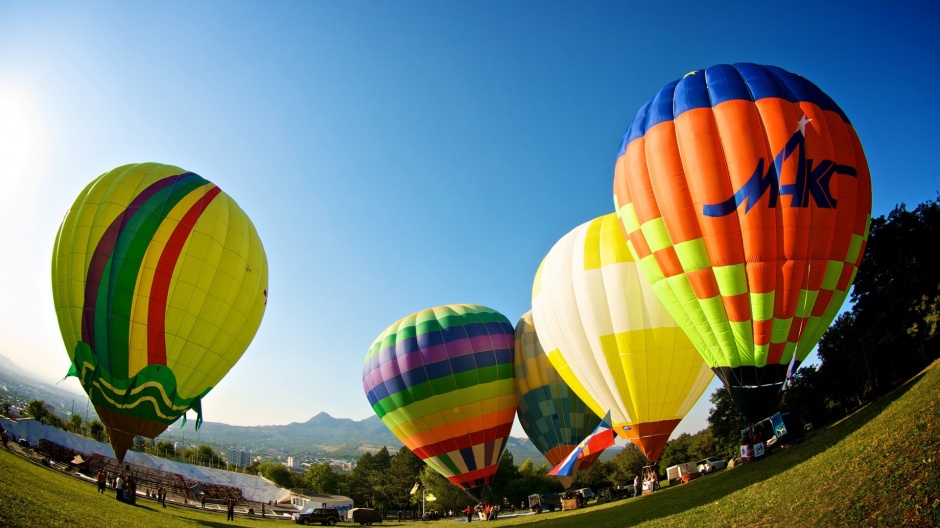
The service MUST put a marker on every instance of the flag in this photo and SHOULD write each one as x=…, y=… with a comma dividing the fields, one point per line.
x=415, y=489
x=599, y=440
x=430, y=497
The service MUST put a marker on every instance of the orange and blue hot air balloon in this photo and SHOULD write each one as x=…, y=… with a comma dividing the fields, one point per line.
x=442, y=381
x=745, y=197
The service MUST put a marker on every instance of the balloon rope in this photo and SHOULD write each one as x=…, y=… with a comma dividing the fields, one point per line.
x=475, y=500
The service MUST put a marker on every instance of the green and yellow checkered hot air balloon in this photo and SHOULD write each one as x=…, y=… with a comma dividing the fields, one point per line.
x=160, y=283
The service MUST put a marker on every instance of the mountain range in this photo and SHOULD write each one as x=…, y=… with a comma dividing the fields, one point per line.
x=322, y=435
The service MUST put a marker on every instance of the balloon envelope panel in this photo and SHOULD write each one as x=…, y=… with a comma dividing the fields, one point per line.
x=746, y=198
x=442, y=381
x=160, y=284
x=554, y=418
x=611, y=339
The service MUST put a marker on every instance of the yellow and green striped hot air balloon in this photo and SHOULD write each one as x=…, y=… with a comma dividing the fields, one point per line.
x=160, y=283
x=611, y=339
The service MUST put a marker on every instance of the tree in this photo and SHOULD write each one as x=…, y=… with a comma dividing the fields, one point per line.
x=404, y=470
x=207, y=456
x=726, y=422
x=506, y=473
x=628, y=463
x=677, y=451
x=367, y=482
x=165, y=449
x=38, y=410
x=898, y=269
x=74, y=424
x=277, y=474
x=96, y=430
x=448, y=495
x=806, y=396
x=321, y=478
x=595, y=477
x=43, y=414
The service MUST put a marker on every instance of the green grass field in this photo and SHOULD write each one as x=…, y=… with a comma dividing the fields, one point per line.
x=879, y=467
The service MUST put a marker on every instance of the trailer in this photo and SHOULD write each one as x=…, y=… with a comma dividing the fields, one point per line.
x=539, y=502
x=683, y=472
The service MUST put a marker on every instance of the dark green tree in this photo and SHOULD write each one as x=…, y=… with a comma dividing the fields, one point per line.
x=320, y=478
x=626, y=464
x=277, y=474
x=165, y=449
x=404, y=471
x=74, y=424
x=677, y=451
x=596, y=477
x=806, y=397
x=726, y=423
x=96, y=431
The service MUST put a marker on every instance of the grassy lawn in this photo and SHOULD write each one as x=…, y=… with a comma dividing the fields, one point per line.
x=879, y=467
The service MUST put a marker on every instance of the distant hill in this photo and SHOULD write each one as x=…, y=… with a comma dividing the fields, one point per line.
x=16, y=383
x=321, y=435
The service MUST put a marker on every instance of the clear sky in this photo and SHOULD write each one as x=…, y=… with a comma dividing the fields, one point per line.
x=396, y=156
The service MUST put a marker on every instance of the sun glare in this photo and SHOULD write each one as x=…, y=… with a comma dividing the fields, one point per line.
x=19, y=134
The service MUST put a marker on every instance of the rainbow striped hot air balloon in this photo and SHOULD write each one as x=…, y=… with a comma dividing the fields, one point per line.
x=554, y=418
x=746, y=198
x=160, y=283
x=442, y=381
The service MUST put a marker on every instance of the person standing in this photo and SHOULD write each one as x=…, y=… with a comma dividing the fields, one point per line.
x=119, y=486
x=469, y=512
x=636, y=485
x=231, y=510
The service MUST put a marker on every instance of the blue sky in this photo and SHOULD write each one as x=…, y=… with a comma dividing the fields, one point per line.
x=396, y=156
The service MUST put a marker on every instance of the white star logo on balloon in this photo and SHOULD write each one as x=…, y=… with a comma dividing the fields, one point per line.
x=803, y=122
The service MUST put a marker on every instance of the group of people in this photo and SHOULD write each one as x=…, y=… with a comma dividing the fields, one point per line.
x=650, y=482
x=125, y=487
x=485, y=510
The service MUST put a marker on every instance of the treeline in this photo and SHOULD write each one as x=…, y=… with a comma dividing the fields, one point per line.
x=888, y=336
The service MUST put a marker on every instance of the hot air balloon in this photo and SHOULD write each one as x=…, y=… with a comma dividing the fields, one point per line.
x=442, y=381
x=746, y=199
x=160, y=283
x=611, y=339
x=552, y=415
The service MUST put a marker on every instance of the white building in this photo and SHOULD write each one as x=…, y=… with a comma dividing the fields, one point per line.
x=239, y=457
x=293, y=463
x=303, y=501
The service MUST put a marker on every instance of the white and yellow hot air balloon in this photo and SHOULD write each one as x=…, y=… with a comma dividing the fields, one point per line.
x=610, y=338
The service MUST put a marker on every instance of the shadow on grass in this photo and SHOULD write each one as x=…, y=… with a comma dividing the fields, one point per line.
x=678, y=499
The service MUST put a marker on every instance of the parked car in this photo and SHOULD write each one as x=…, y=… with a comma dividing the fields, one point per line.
x=711, y=464
x=325, y=516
